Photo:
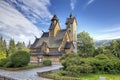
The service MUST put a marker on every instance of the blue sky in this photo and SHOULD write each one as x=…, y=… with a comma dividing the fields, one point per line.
x=24, y=19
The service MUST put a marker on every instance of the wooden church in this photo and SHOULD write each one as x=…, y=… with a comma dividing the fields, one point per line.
x=53, y=44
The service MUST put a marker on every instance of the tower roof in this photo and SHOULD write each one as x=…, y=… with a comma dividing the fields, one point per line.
x=54, y=18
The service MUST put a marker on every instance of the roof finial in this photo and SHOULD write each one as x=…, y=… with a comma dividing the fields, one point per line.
x=42, y=31
x=36, y=37
x=71, y=15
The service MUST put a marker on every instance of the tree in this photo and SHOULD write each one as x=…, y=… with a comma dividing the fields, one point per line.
x=1, y=42
x=2, y=48
x=115, y=47
x=85, y=44
x=29, y=44
x=12, y=47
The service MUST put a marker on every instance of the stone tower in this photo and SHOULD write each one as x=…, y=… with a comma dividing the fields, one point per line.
x=71, y=25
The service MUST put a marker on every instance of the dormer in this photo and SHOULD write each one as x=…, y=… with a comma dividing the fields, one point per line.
x=54, y=27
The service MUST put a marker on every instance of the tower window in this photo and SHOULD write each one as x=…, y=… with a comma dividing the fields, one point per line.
x=69, y=30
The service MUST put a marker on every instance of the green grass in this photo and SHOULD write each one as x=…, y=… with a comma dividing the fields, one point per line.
x=97, y=76
x=29, y=66
x=56, y=75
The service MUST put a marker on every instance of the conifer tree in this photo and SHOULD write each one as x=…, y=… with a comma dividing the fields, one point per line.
x=12, y=47
x=29, y=44
x=4, y=46
x=1, y=42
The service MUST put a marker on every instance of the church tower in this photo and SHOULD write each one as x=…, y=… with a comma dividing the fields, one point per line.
x=54, y=27
x=71, y=25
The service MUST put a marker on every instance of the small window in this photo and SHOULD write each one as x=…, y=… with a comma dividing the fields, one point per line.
x=69, y=30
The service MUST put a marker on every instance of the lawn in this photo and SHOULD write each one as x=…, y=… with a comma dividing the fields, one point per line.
x=29, y=66
x=57, y=76
x=97, y=76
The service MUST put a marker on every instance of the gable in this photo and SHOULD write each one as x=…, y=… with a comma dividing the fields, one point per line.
x=56, y=29
x=66, y=39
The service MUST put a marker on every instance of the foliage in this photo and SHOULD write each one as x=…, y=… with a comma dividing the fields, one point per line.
x=2, y=55
x=75, y=66
x=2, y=48
x=67, y=55
x=12, y=47
x=85, y=44
x=47, y=62
x=4, y=61
x=59, y=75
x=101, y=57
x=115, y=48
x=20, y=58
x=29, y=44
x=102, y=63
x=20, y=46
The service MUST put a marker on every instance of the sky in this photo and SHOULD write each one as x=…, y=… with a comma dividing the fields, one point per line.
x=25, y=19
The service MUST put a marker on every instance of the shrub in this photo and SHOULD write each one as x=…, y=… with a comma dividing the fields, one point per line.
x=20, y=58
x=67, y=56
x=47, y=62
x=101, y=57
x=8, y=64
x=4, y=61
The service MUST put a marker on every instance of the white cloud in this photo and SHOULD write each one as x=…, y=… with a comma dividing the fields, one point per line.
x=108, y=36
x=112, y=29
x=89, y=2
x=14, y=25
x=110, y=33
x=35, y=10
x=72, y=4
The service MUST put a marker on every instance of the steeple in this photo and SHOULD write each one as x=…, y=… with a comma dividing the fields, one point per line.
x=54, y=27
x=54, y=18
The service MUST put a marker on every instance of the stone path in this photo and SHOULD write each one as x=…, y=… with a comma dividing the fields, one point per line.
x=30, y=74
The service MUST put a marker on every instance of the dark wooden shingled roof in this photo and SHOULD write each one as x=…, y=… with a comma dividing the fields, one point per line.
x=45, y=34
x=68, y=45
x=51, y=53
x=35, y=43
x=52, y=42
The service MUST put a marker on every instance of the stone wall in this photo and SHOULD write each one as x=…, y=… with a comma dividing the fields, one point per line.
x=54, y=59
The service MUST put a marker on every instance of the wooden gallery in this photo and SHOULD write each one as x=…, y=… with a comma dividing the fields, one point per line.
x=53, y=44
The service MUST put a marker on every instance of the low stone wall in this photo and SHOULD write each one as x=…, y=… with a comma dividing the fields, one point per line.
x=46, y=72
x=5, y=78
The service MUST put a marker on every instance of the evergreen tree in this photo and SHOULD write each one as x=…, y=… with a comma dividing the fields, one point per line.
x=24, y=45
x=4, y=46
x=12, y=47
x=1, y=43
x=29, y=44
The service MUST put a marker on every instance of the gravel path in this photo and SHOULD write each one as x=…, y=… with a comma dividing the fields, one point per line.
x=30, y=74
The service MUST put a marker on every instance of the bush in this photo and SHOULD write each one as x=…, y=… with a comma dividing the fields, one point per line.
x=20, y=58
x=101, y=57
x=67, y=55
x=8, y=64
x=4, y=61
x=47, y=62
